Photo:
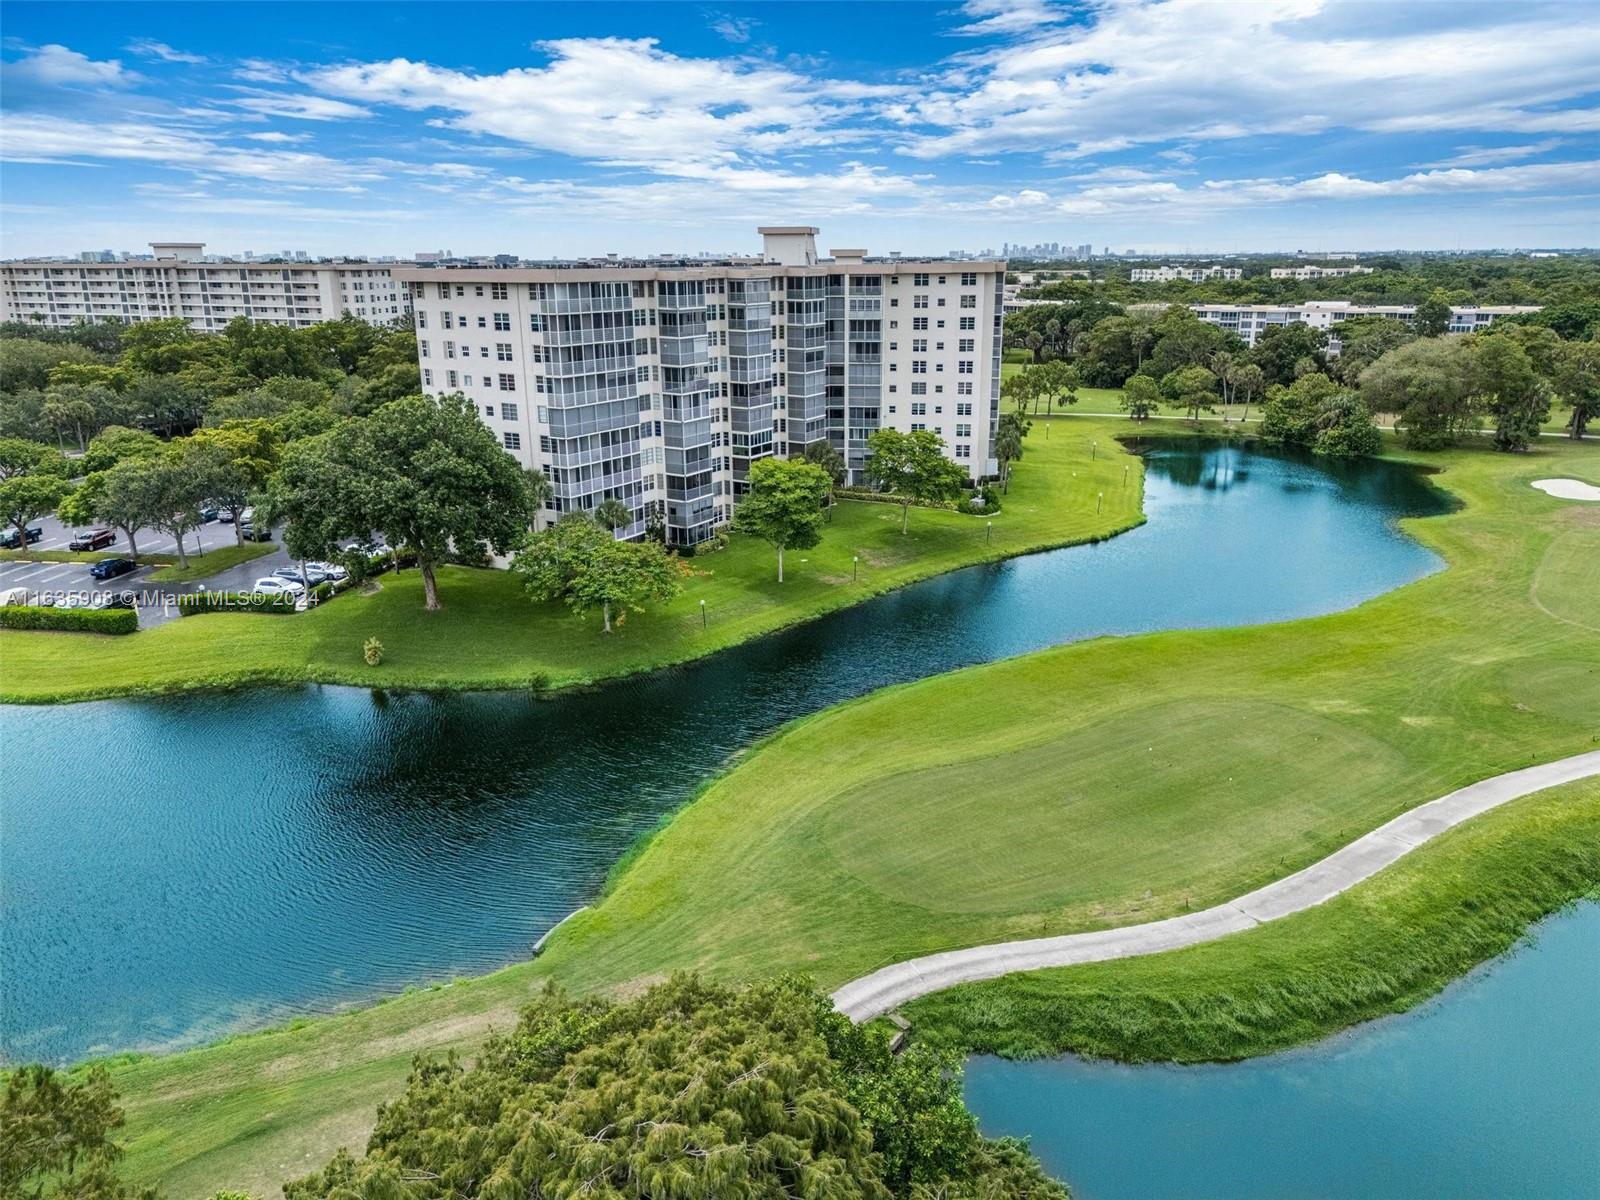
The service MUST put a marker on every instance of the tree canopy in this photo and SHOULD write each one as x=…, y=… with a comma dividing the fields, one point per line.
x=912, y=467
x=582, y=564
x=692, y=1089
x=784, y=506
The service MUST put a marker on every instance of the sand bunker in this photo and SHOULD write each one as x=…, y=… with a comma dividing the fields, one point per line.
x=1568, y=489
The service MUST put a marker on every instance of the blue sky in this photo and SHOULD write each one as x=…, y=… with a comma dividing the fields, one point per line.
x=575, y=128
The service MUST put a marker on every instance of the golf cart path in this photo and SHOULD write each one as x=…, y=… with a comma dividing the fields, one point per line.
x=886, y=989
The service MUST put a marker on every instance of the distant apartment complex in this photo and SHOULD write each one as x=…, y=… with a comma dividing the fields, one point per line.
x=180, y=282
x=1249, y=320
x=1192, y=274
x=1316, y=272
x=658, y=382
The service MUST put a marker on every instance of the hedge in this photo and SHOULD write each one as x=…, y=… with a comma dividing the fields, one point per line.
x=73, y=620
x=204, y=602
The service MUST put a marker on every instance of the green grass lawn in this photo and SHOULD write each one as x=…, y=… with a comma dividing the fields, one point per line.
x=1096, y=784
x=1128, y=779
x=489, y=635
x=1378, y=949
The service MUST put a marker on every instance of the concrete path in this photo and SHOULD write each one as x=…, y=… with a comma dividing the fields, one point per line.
x=886, y=989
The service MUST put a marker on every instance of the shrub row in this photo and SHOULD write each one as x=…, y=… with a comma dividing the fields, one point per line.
x=204, y=602
x=73, y=620
x=990, y=507
x=329, y=588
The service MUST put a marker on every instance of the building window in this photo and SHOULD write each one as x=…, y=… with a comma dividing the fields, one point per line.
x=452, y=379
x=427, y=377
x=422, y=319
x=919, y=366
x=508, y=411
x=508, y=383
x=502, y=321
x=919, y=280
x=497, y=291
x=919, y=345
x=966, y=345
x=919, y=322
x=919, y=389
x=963, y=451
x=502, y=351
x=964, y=431
x=513, y=441
x=422, y=348
x=920, y=300
x=919, y=409
x=969, y=279
x=966, y=301
x=964, y=410
x=969, y=323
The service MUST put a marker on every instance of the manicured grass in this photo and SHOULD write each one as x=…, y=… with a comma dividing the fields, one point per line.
x=1127, y=779
x=1380, y=948
x=1097, y=784
x=212, y=562
x=83, y=556
x=489, y=635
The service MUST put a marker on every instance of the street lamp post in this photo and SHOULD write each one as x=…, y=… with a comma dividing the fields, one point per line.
x=1099, y=500
x=855, y=561
x=702, y=614
x=988, y=533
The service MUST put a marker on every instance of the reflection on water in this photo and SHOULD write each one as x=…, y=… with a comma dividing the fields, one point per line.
x=1491, y=1091
x=177, y=869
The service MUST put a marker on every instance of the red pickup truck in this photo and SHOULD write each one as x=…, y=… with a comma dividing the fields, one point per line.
x=92, y=539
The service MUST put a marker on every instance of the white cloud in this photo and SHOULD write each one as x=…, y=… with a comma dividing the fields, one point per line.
x=1002, y=17
x=1487, y=156
x=1151, y=196
x=1142, y=72
x=620, y=101
x=731, y=28
x=277, y=137
x=36, y=137
x=301, y=108
x=153, y=49
x=57, y=66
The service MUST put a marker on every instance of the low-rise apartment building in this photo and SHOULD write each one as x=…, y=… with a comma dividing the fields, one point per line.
x=181, y=282
x=1317, y=272
x=1249, y=320
x=1192, y=274
x=658, y=382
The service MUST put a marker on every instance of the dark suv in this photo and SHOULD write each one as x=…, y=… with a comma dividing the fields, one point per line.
x=110, y=568
x=11, y=539
x=92, y=539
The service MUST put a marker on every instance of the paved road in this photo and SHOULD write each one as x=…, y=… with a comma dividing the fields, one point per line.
x=886, y=989
x=155, y=606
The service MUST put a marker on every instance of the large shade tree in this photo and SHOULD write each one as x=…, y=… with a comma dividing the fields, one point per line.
x=784, y=506
x=912, y=468
x=578, y=562
x=426, y=473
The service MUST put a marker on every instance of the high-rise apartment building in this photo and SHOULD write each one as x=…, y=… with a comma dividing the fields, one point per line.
x=181, y=282
x=658, y=382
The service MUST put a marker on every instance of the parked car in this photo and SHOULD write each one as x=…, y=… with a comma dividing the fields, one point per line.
x=12, y=540
x=117, y=600
x=251, y=534
x=92, y=539
x=247, y=516
x=208, y=513
x=110, y=568
x=329, y=570
x=271, y=585
x=313, y=576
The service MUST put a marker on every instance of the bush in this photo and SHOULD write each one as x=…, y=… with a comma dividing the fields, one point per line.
x=69, y=620
x=372, y=651
x=990, y=502
x=472, y=556
x=330, y=588
x=204, y=602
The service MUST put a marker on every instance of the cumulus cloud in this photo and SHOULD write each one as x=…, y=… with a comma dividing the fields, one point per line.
x=300, y=108
x=1197, y=70
x=57, y=66
x=620, y=101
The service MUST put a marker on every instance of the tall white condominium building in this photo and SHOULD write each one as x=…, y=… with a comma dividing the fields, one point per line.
x=1192, y=274
x=180, y=282
x=1248, y=320
x=658, y=382
x=1315, y=272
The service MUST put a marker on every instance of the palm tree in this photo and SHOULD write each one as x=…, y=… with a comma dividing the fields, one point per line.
x=612, y=514
x=1035, y=344
x=1007, y=448
x=824, y=455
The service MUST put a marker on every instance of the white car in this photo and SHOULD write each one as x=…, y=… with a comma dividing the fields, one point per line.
x=273, y=586
x=327, y=570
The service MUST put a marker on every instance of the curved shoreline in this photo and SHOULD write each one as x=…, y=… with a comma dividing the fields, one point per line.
x=887, y=988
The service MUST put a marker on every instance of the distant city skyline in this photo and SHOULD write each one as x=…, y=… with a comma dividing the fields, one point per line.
x=1172, y=127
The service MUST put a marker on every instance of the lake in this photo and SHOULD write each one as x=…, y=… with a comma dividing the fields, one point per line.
x=1491, y=1090
x=178, y=869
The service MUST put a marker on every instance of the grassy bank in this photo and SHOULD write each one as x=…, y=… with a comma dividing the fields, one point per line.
x=1380, y=948
x=1128, y=779
x=1097, y=784
x=489, y=635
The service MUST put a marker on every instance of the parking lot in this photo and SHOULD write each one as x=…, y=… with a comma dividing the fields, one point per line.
x=156, y=600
